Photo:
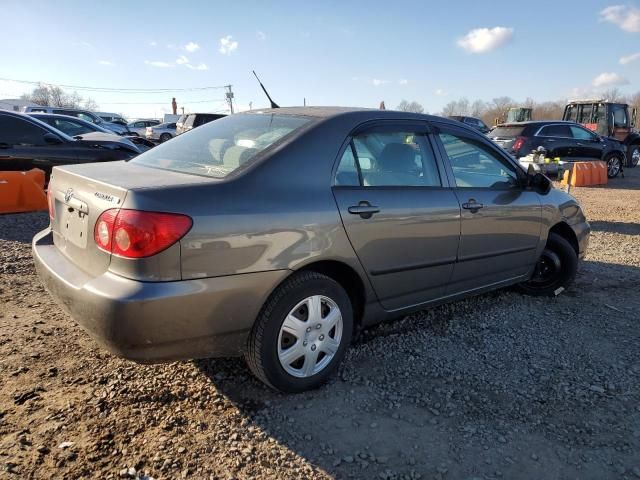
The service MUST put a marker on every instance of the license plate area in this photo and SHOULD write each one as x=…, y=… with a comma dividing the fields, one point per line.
x=73, y=226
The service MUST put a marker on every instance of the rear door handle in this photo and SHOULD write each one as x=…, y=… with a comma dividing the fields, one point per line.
x=364, y=209
x=472, y=205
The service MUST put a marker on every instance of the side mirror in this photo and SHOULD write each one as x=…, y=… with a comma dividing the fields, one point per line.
x=51, y=139
x=538, y=181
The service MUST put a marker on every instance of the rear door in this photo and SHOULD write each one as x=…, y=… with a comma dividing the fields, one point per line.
x=501, y=221
x=558, y=141
x=399, y=213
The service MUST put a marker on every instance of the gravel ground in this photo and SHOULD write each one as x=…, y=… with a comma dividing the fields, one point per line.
x=498, y=386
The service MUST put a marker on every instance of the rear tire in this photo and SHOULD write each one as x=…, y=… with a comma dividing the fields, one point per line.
x=164, y=137
x=614, y=164
x=301, y=334
x=633, y=155
x=555, y=270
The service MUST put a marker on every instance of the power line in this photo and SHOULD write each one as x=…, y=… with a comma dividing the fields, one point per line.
x=215, y=100
x=118, y=90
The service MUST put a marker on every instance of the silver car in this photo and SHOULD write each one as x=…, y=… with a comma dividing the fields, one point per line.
x=139, y=127
x=162, y=132
x=276, y=234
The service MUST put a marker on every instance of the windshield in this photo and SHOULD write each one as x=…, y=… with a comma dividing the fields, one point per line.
x=218, y=148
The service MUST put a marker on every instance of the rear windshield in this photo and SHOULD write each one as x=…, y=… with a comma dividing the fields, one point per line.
x=218, y=148
x=507, y=132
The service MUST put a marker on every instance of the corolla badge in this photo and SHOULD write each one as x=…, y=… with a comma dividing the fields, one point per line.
x=68, y=195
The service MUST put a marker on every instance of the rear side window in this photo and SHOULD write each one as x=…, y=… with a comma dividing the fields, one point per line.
x=555, y=131
x=581, y=133
x=221, y=147
x=387, y=159
x=507, y=132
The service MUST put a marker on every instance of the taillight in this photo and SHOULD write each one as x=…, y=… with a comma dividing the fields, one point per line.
x=51, y=202
x=517, y=145
x=136, y=233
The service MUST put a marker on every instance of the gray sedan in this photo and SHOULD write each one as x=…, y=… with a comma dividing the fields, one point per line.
x=277, y=234
x=161, y=133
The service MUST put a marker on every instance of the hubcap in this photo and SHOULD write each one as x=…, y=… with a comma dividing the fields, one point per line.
x=614, y=166
x=310, y=336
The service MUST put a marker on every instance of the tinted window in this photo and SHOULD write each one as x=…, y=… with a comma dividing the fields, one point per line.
x=620, y=116
x=69, y=127
x=581, y=133
x=219, y=148
x=395, y=158
x=15, y=131
x=555, y=131
x=474, y=165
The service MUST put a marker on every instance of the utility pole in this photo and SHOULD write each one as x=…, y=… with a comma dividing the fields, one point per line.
x=229, y=96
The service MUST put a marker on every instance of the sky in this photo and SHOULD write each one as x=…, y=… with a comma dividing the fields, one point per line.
x=354, y=53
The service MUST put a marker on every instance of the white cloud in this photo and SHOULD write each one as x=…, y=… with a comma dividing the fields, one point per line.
x=482, y=40
x=261, y=35
x=403, y=81
x=629, y=58
x=158, y=64
x=200, y=66
x=441, y=93
x=191, y=47
x=609, y=79
x=624, y=16
x=106, y=63
x=182, y=60
x=376, y=82
x=227, y=45
x=153, y=44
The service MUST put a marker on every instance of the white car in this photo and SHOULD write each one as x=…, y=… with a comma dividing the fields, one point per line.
x=161, y=133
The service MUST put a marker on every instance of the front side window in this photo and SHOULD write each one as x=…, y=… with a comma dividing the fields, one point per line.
x=15, y=131
x=620, y=116
x=70, y=128
x=474, y=165
x=221, y=147
x=580, y=133
x=388, y=159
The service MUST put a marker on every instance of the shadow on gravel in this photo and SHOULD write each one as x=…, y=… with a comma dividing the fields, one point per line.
x=21, y=227
x=615, y=227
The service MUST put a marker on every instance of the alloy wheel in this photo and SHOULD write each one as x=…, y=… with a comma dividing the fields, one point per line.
x=635, y=156
x=613, y=166
x=310, y=336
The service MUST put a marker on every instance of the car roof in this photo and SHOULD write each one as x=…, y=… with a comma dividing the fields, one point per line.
x=535, y=122
x=56, y=115
x=34, y=120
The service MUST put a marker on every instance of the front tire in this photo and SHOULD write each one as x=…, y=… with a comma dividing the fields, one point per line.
x=614, y=165
x=633, y=155
x=301, y=334
x=555, y=270
x=164, y=137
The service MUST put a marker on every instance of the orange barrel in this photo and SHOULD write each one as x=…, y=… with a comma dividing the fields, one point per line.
x=22, y=191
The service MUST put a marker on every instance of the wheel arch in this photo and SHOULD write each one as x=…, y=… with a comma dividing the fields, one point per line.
x=348, y=279
x=564, y=230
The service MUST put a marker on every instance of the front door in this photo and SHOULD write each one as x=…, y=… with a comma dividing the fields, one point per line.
x=399, y=213
x=501, y=220
x=588, y=144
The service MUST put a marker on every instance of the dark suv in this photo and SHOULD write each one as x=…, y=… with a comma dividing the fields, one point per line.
x=473, y=122
x=194, y=120
x=567, y=140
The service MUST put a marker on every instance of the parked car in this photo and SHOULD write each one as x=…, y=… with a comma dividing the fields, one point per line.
x=162, y=132
x=74, y=126
x=26, y=143
x=112, y=117
x=473, y=122
x=567, y=140
x=83, y=114
x=194, y=120
x=276, y=233
x=139, y=127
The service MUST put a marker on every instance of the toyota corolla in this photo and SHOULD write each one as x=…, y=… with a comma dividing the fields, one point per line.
x=276, y=234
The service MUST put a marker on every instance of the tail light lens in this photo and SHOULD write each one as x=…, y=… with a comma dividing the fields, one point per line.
x=138, y=234
x=517, y=145
x=51, y=202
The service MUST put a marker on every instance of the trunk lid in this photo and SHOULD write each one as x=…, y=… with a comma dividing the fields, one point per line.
x=81, y=193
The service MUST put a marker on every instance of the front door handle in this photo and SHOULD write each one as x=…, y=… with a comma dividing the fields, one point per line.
x=364, y=209
x=472, y=205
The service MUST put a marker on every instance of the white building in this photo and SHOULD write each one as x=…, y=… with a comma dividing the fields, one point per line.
x=15, y=104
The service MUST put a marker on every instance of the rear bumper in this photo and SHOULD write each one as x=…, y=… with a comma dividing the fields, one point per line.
x=156, y=321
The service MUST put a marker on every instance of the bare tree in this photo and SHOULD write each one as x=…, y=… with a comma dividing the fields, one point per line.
x=414, y=107
x=54, y=96
x=613, y=95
